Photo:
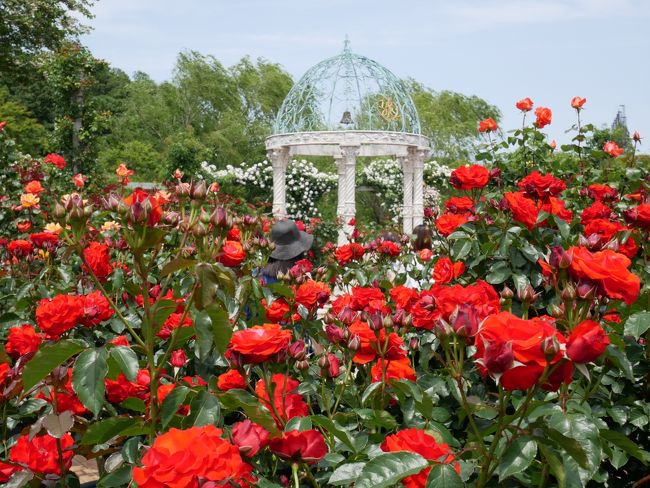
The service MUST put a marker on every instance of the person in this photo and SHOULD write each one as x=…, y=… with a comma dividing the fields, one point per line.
x=291, y=244
x=423, y=238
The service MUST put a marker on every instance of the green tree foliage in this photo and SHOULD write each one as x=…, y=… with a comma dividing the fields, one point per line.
x=450, y=120
x=21, y=124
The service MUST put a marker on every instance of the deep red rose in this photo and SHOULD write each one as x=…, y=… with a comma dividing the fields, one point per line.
x=20, y=248
x=249, y=437
x=420, y=442
x=370, y=299
x=444, y=270
x=449, y=222
x=40, y=454
x=173, y=322
x=597, y=210
x=7, y=470
x=525, y=104
x=44, y=240
x=232, y=254
x=460, y=205
x=60, y=314
x=487, y=125
x=404, y=297
x=398, y=369
x=639, y=216
x=470, y=177
x=312, y=293
x=602, y=192
x=55, y=159
x=349, y=252
x=188, y=458
x=231, y=380
x=22, y=340
x=513, y=348
x=307, y=446
x=536, y=185
x=544, y=116
x=178, y=358
x=523, y=209
x=285, y=402
x=259, y=343
x=97, y=309
x=120, y=389
x=587, y=342
x=98, y=258
x=389, y=248
x=234, y=234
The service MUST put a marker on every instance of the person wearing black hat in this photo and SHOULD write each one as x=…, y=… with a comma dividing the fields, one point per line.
x=290, y=246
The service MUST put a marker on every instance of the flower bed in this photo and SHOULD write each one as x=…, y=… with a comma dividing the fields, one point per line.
x=135, y=331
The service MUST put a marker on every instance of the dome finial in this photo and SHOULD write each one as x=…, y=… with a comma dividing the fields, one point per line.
x=346, y=44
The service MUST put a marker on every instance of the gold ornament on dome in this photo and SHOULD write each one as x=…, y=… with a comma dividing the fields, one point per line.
x=388, y=110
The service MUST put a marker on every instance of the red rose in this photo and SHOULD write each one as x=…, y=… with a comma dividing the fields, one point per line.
x=399, y=369
x=448, y=222
x=609, y=270
x=307, y=446
x=536, y=185
x=286, y=403
x=249, y=437
x=607, y=231
x=234, y=234
x=140, y=201
x=370, y=299
x=370, y=347
x=613, y=149
x=120, y=340
x=404, y=297
x=389, y=248
x=20, y=248
x=173, y=322
x=185, y=458
x=178, y=358
x=586, y=342
x=97, y=309
x=23, y=226
x=596, y=211
x=555, y=206
x=544, y=116
x=7, y=470
x=59, y=315
x=231, y=380
x=22, y=340
x=460, y=205
x=470, y=177
x=419, y=442
x=98, y=258
x=232, y=254
x=487, y=125
x=120, y=389
x=34, y=187
x=64, y=397
x=525, y=104
x=444, y=270
x=601, y=192
x=44, y=240
x=40, y=454
x=514, y=345
x=55, y=159
x=425, y=255
x=523, y=209
x=349, y=252
x=259, y=343
x=277, y=311
x=312, y=293
x=578, y=102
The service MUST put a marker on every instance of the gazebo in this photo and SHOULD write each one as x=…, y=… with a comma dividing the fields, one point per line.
x=346, y=107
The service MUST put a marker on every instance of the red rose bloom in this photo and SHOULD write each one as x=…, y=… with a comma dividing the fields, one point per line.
x=7, y=470
x=232, y=254
x=64, y=398
x=419, y=442
x=578, y=102
x=613, y=149
x=370, y=299
x=286, y=403
x=449, y=222
x=249, y=437
x=44, y=240
x=120, y=389
x=349, y=252
x=523, y=209
x=259, y=343
x=98, y=258
x=59, y=315
x=40, y=454
x=34, y=187
x=307, y=446
x=20, y=248
x=470, y=177
x=277, y=311
x=555, y=206
x=231, y=380
x=597, y=210
x=609, y=270
x=425, y=255
x=544, y=116
x=97, y=309
x=173, y=322
x=370, y=348
x=22, y=340
x=639, y=216
x=140, y=201
x=487, y=125
x=601, y=192
x=510, y=349
x=607, y=231
x=404, y=297
x=186, y=458
x=525, y=104
x=536, y=185
x=23, y=226
x=444, y=270
x=459, y=205
x=312, y=293
x=586, y=342
x=389, y=248
x=55, y=159
x=399, y=369
x=234, y=234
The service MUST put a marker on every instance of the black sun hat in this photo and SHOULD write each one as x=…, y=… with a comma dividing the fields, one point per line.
x=289, y=240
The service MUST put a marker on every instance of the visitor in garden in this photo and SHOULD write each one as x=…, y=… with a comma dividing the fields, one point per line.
x=291, y=244
x=423, y=238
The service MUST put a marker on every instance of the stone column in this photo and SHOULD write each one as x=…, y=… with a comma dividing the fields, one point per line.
x=417, y=157
x=407, y=206
x=347, y=189
x=279, y=160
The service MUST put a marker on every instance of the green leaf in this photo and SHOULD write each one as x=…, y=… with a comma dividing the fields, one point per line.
x=346, y=474
x=367, y=393
x=47, y=358
x=204, y=410
x=120, y=477
x=212, y=327
x=177, y=265
x=571, y=446
x=235, y=400
x=88, y=376
x=101, y=432
x=637, y=324
x=517, y=458
x=172, y=403
x=298, y=423
x=555, y=465
x=207, y=285
x=623, y=442
x=582, y=429
x=127, y=360
x=9, y=318
x=444, y=476
x=388, y=469
x=160, y=311
x=336, y=430
x=620, y=360
x=498, y=276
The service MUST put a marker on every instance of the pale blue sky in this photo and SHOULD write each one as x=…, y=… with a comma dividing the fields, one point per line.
x=500, y=50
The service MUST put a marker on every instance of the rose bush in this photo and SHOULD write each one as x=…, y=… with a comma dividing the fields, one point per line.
x=137, y=333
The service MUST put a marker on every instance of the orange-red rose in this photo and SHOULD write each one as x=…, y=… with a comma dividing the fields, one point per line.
x=487, y=125
x=523, y=209
x=470, y=177
x=232, y=254
x=587, y=342
x=444, y=270
x=231, y=380
x=525, y=104
x=59, y=314
x=22, y=340
x=40, y=454
x=258, y=343
x=98, y=258
x=449, y=222
x=544, y=116
x=349, y=252
x=307, y=446
x=285, y=404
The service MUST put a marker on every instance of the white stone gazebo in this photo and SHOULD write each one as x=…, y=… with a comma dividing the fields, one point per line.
x=346, y=107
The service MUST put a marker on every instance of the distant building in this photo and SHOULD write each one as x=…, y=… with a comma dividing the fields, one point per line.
x=620, y=122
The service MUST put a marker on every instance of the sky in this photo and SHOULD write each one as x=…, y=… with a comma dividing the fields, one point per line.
x=499, y=50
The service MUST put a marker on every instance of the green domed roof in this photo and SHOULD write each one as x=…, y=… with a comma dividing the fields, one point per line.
x=348, y=92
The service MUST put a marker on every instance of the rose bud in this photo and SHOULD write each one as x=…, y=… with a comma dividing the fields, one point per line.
x=569, y=293
x=300, y=365
x=507, y=293
x=612, y=245
x=347, y=315
x=334, y=369
x=593, y=241
x=375, y=321
x=586, y=291
x=334, y=333
x=324, y=362
x=527, y=294
x=495, y=173
x=297, y=350
x=199, y=230
x=550, y=347
x=465, y=321
x=636, y=137
x=220, y=218
x=559, y=258
x=178, y=358
x=555, y=311
x=199, y=190
x=582, y=241
x=586, y=342
x=354, y=343
x=498, y=358
x=414, y=344
x=183, y=189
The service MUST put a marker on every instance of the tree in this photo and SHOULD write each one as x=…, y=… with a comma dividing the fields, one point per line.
x=21, y=126
x=450, y=120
